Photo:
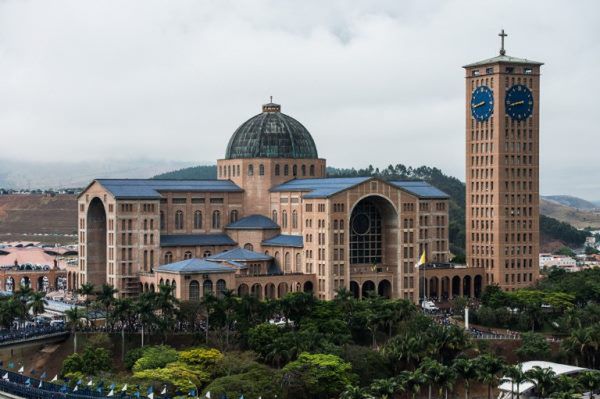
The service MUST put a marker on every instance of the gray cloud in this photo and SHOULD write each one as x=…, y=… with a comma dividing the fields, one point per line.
x=375, y=82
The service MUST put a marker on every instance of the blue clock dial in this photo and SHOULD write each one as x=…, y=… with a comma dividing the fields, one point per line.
x=482, y=103
x=519, y=102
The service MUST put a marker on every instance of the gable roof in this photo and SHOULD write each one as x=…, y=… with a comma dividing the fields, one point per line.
x=323, y=188
x=193, y=266
x=285, y=240
x=253, y=222
x=420, y=189
x=151, y=188
x=320, y=188
x=192, y=240
x=240, y=255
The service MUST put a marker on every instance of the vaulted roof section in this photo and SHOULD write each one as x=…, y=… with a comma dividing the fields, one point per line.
x=151, y=188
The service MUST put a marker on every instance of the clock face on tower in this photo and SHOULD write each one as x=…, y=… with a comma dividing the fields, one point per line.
x=482, y=103
x=519, y=102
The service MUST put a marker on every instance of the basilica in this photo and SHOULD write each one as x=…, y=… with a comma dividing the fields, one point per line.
x=271, y=223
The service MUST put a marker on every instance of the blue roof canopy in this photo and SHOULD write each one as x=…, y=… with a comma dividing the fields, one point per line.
x=241, y=255
x=421, y=189
x=193, y=266
x=151, y=188
x=192, y=240
x=285, y=240
x=254, y=222
x=323, y=188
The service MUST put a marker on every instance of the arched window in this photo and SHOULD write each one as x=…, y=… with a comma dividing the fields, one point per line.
x=250, y=170
x=261, y=170
x=216, y=220
x=197, y=220
x=145, y=224
x=274, y=216
x=249, y=247
x=194, y=293
x=206, y=254
x=207, y=287
x=162, y=220
x=233, y=216
x=335, y=224
x=287, y=263
x=221, y=288
x=298, y=264
x=286, y=170
x=303, y=170
x=187, y=255
x=168, y=257
x=284, y=219
x=312, y=170
x=277, y=260
x=277, y=170
x=294, y=220
x=179, y=220
x=294, y=170
x=238, y=170
x=145, y=260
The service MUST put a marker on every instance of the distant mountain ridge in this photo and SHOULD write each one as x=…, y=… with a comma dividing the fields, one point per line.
x=573, y=202
x=64, y=174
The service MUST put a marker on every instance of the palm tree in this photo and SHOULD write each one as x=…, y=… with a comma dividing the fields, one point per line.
x=542, y=379
x=590, y=380
x=517, y=376
x=106, y=296
x=446, y=380
x=209, y=302
x=37, y=302
x=384, y=387
x=145, y=308
x=352, y=392
x=488, y=369
x=466, y=369
x=432, y=369
x=74, y=316
x=86, y=289
x=414, y=381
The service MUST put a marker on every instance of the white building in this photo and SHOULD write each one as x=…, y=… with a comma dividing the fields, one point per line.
x=561, y=261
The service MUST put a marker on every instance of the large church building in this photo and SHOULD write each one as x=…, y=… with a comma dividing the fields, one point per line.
x=273, y=222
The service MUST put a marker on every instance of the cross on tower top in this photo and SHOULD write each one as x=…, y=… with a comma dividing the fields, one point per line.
x=502, y=36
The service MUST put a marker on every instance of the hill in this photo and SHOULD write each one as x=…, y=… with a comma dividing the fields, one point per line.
x=577, y=217
x=572, y=202
x=34, y=217
x=194, y=172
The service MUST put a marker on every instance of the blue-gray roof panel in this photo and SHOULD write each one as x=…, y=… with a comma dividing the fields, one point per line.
x=194, y=265
x=285, y=240
x=421, y=189
x=240, y=254
x=192, y=240
x=252, y=222
x=151, y=188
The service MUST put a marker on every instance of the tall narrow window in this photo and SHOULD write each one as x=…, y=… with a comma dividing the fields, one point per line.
x=216, y=220
x=250, y=170
x=179, y=220
x=284, y=219
x=277, y=170
x=233, y=216
x=197, y=220
x=295, y=170
x=162, y=220
x=274, y=216
x=303, y=170
x=261, y=170
x=294, y=220
x=168, y=257
x=286, y=170
x=312, y=170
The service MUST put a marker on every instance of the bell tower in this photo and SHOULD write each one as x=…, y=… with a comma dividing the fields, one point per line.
x=502, y=168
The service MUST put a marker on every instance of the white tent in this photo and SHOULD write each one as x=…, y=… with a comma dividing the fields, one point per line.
x=525, y=388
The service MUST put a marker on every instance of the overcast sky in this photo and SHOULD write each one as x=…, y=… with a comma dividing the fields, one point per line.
x=375, y=82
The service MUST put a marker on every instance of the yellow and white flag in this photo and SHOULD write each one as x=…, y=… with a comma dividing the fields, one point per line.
x=422, y=260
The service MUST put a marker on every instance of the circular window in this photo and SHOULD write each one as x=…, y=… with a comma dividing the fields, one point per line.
x=361, y=224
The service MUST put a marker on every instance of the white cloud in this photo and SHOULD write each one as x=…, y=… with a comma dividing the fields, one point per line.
x=375, y=82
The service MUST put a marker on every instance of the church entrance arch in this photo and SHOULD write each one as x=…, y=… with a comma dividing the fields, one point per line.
x=373, y=232
x=355, y=289
x=385, y=289
x=96, y=242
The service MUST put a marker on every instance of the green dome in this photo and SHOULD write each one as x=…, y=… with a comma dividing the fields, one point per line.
x=271, y=134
